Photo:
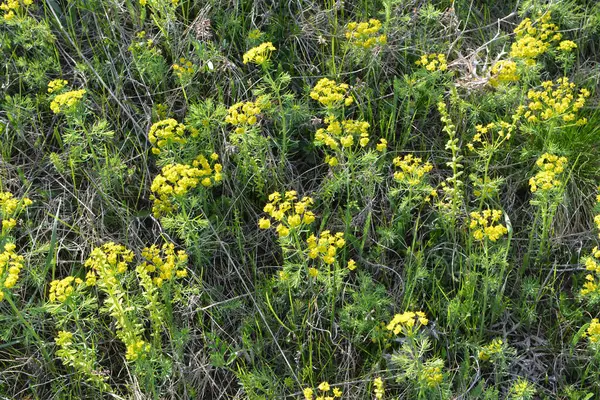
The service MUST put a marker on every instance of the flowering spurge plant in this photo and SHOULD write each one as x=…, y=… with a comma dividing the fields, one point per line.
x=324, y=392
x=365, y=35
x=171, y=187
x=557, y=105
x=422, y=376
x=72, y=301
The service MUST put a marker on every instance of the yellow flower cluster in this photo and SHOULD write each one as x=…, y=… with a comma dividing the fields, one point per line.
x=64, y=339
x=504, y=71
x=166, y=133
x=412, y=169
x=491, y=350
x=379, y=389
x=407, y=322
x=179, y=179
x=244, y=114
x=288, y=212
x=66, y=101
x=10, y=207
x=534, y=39
x=10, y=267
x=556, y=100
x=365, y=34
x=184, y=69
x=331, y=94
x=593, y=331
x=500, y=131
x=592, y=264
x=61, y=289
x=567, y=45
x=56, y=85
x=325, y=247
x=432, y=375
x=164, y=264
x=107, y=262
x=433, y=62
x=482, y=224
x=260, y=54
x=324, y=390
x=547, y=179
x=10, y=7
x=381, y=145
x=342, y=133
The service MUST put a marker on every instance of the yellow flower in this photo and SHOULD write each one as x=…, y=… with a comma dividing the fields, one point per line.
x=67, y=101
x=382, y=145
x=351, y=265
x=11, y=265
x=412, y=169
x=259, y=55
x=56, y=85
x=433, y=62
x=547, y=179
x=312, y=271
x=407, y=322
x=337, y=392
x=264, y=223
x=567, y=45
x=308, y=394
x=504, y=71
x=330, y=94
x=483, y=225
x=166, y=133
x=365, y=34
x=324, y=387
x=379, y=390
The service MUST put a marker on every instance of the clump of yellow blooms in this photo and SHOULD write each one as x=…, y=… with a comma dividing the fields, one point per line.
x=593, y=331
x=163, y=264
x=407, y=322
x=412, y=169
x=10, y=267
x=260, y=54
x=166, y=133
x=492, y=350
x=365, y=34
x=484, y=225
x=558, y=100
x=433, y=62
x=432, y=375
x=10, y=7
x=10, y=208
x=331, y=94
x=504, y=71
x=61, y=289
x=547, y=179
x=323, y=393
x=178, y=179
x=109, y=262
x=185, y=68
x=567, y=45
x=66, y=101
x=381, y=145
x=325, y=247
x=379, y=389
x=492, y=135
x=343, y=133
x=288, y=212
x=56, y=85
x=244, y=114
x=592, y=264
x=534, y=39
x=521, y=389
